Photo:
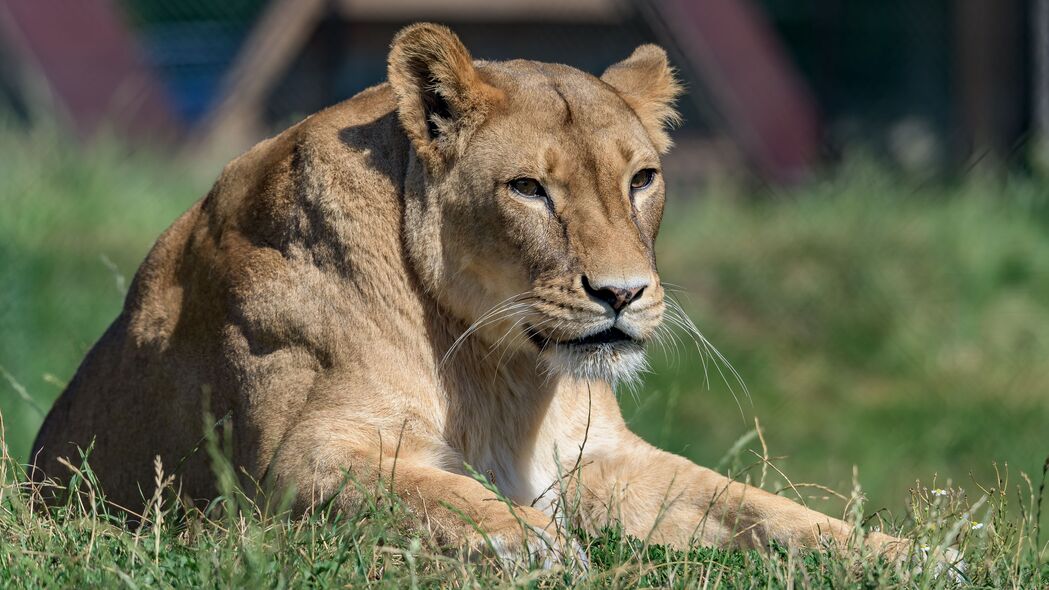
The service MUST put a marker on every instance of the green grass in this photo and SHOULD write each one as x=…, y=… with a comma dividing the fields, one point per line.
x=903, y=329
x=82, y=542
x=897, y=327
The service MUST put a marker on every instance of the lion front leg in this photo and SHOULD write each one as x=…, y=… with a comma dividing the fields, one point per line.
x=458, y=510
x=659, y=496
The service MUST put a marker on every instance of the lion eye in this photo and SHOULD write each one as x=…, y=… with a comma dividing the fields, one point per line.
x=528, y=187
x=642, y=179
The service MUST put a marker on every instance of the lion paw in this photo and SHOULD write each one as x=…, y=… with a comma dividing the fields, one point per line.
x=521, y=544
x=946, y=563
x=541, y=549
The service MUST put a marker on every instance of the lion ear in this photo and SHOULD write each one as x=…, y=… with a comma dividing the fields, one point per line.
x=647, y=83
x=439, y=92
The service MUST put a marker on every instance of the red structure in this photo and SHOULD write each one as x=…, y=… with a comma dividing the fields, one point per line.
x=765, y=104
x=89, y=64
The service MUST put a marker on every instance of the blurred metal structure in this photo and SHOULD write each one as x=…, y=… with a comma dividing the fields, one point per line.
x=990, y=75
x=722, y=44
x=774, y=85
x=1040, y=45
x=278, y=37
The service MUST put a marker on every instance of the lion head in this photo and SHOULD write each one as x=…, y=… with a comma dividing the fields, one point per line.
x=534, y=197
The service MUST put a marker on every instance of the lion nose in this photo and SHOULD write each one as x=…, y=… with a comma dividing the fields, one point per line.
x=616, y=296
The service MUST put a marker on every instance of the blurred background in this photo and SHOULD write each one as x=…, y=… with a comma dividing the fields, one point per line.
x=858, y=215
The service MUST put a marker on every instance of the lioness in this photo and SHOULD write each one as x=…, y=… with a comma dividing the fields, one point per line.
x=452, y=268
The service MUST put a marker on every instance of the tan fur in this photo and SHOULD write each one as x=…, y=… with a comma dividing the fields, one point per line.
x=314, y=296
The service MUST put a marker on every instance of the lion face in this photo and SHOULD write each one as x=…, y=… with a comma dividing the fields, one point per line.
x=541, y=200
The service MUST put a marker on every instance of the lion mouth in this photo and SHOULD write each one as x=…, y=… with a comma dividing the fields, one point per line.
x=612, y=335
x=611, y=355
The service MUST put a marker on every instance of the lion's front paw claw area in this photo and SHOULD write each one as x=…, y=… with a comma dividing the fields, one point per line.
x=520, y=544
x=941, y=562
x=538, y=548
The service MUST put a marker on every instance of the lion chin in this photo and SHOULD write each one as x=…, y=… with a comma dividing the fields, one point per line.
x=620, y=363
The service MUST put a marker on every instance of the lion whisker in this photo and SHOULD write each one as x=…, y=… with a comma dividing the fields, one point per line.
x=495, y=346
x=508, y=311
x=493, y=314
x=673, y=319
x=512, y=341
x=679, y=317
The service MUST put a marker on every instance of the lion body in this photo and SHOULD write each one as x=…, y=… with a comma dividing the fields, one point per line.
x=233, y=312
x=311, y=298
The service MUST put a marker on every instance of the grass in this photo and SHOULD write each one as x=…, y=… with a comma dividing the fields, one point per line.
x=895, y=326
x=900, y=328
x=83, y=542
